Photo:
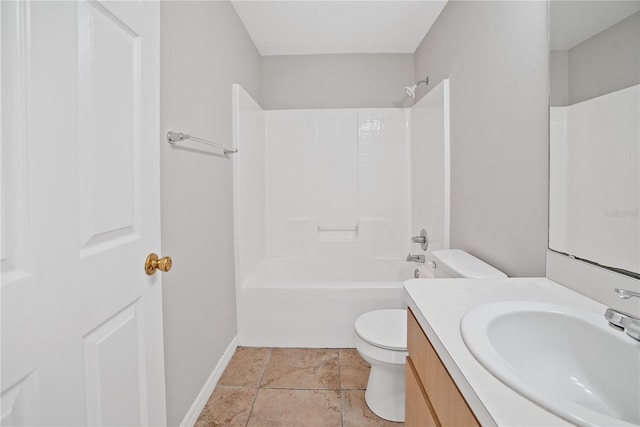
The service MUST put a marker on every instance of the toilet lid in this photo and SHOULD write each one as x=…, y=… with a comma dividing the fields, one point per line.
x=384, y=328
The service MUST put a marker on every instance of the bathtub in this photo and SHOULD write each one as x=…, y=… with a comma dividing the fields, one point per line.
x=280, y=306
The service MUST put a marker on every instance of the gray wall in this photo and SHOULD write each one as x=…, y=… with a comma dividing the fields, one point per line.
x=607, y=62
x=205, y=49
x=559, y=78
x=496, y=54
x=335, y=81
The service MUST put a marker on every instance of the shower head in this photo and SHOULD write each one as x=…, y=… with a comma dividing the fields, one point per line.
x=411, y=90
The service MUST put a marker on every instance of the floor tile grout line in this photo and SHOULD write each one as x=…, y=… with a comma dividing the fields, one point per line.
x=339, y=370
x=340, y=388
x=258, y=388
x=341, y=409
x=266, y=365
x=302, y=388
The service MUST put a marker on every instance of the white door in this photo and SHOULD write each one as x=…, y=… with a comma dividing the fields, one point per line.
x=81, y=321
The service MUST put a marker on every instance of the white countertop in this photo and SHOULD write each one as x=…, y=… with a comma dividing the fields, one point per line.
x=439, y=304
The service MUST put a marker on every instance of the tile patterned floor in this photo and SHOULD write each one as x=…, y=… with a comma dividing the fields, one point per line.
x=290, y=387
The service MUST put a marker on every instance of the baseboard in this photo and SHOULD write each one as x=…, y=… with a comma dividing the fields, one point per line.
x=197, y=406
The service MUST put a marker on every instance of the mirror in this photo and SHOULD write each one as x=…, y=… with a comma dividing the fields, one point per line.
x=594, y=152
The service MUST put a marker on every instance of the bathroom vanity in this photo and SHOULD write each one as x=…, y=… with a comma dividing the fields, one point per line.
x=447, y=385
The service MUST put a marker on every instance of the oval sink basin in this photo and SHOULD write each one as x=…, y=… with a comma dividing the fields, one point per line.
x=564, y=359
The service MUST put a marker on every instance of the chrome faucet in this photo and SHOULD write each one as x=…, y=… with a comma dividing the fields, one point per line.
x=415, y=258
x=421, y=239
x=626, y=294
x=624, y=321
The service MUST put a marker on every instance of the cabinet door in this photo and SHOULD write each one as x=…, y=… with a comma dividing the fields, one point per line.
x=440, y=389
x=417, y=413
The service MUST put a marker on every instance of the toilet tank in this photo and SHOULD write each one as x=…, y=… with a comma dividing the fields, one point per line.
x=458, y=263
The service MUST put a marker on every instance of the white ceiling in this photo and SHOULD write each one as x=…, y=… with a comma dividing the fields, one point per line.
x=323, y=27
x=573, y=22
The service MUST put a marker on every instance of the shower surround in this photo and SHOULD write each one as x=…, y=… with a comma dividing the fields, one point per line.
x=324, y=210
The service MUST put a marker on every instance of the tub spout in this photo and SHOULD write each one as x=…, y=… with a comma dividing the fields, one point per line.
x=415, y=258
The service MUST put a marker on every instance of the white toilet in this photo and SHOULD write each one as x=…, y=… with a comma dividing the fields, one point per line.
x=381, y=336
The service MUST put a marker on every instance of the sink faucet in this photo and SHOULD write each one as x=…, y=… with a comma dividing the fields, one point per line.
x=415, y=258
x=624, y=321
x=626, y=294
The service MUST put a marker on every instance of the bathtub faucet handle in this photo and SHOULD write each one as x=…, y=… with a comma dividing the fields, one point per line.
x=415, y=258
x=422, y=239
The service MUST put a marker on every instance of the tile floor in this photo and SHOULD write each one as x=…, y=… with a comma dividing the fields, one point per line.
x=265, y=387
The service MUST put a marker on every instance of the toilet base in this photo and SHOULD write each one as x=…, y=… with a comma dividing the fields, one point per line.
x=385, y=392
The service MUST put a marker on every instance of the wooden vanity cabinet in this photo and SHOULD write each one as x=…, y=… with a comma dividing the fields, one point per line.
x=432, y=398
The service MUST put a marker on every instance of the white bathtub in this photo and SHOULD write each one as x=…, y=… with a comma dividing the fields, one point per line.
x=334, y=187
x=279, y=306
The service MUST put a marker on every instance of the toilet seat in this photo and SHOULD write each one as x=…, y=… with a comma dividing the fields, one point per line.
x=384, y=329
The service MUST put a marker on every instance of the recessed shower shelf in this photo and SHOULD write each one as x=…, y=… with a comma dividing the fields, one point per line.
x=337, y=233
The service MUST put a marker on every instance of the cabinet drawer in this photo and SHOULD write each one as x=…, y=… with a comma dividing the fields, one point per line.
x=418, y=412
x=450, y=407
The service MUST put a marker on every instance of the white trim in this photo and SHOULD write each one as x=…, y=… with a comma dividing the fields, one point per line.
x=198, y=404
x=447, y=164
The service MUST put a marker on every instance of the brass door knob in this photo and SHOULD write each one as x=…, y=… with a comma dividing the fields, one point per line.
x=154, y=263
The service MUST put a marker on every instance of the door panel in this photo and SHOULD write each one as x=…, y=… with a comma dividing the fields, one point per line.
x=109, y=128
x=116, y=346
x=19, y=403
